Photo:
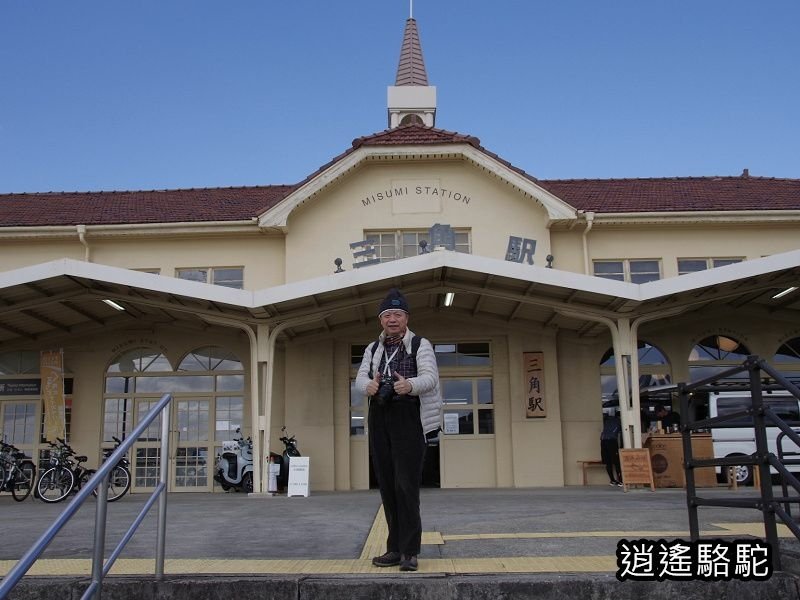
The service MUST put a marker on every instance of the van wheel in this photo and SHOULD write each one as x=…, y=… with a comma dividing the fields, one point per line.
x=743, y=473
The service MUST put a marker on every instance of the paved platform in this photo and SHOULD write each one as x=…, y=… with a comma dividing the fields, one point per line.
x=551, y=530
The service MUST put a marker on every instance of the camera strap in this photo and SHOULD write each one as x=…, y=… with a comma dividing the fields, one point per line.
x=415, y=341
x=387, y=368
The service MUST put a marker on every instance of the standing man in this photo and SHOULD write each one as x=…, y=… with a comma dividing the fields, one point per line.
x=609, y=445
x=399, y=374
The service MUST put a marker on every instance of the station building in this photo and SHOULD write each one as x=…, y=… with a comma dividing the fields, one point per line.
x=253, y=305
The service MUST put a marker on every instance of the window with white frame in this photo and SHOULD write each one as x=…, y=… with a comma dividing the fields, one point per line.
x=232, y=277
x=402, y=243
x=692, y=265
x=628, y=269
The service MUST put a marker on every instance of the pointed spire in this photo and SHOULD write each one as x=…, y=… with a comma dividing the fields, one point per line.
x=411, y=69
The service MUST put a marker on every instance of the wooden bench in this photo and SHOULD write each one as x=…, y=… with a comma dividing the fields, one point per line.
x=586, y=464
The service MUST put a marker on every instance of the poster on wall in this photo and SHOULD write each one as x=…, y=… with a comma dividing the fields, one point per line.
x=450, y=423
x=51, y=367
x=533, y=369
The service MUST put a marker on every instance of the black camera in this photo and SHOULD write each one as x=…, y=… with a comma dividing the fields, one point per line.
x=385, y=391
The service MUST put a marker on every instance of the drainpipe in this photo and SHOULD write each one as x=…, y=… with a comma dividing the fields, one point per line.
x=589, y=216
x=82, y=237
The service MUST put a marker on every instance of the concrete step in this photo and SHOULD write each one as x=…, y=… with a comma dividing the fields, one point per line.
x=781, y=586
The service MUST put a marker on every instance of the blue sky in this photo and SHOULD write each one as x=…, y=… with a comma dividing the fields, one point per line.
x=111, y=95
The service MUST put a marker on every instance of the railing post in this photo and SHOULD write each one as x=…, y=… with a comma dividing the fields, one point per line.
x=762, y=453
x=162, y=499
x=687, y=421
x=100, y=536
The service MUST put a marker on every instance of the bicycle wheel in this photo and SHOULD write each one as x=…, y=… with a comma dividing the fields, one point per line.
x=55, y=484
x=23, y=479
x=119, y=482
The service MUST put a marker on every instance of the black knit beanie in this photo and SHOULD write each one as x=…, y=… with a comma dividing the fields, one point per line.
x=394, y=301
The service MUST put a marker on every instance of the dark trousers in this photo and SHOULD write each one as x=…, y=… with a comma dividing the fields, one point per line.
x=609, y=454
x=398, y=452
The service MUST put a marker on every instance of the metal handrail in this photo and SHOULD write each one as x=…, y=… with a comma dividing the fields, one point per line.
x=763, y=417
x=100, y=478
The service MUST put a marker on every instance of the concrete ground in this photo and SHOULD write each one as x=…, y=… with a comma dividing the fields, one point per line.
x=498, y=532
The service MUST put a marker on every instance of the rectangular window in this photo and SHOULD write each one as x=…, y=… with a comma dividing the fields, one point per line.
x=147, y=467
x=229, y=411
x=393, y=245
x=468, y=406
x=632, y=270
x=115, y=418
x=232, y=277
x=19, y=422
x=358, y=411
x=692, y=265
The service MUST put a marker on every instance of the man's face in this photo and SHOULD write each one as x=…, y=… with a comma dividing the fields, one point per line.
x=394, y=322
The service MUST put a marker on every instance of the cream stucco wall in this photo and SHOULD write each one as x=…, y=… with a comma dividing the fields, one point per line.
x=323, y=228
x=668, y=244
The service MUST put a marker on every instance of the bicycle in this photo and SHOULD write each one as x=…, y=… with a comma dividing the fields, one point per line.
x=18, y=472
x=119, y=480
x=65, y=474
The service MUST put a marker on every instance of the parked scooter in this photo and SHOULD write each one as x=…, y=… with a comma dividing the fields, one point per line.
x=289, y=450
x=234, y=467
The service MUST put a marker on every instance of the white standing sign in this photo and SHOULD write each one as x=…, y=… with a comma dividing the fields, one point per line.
x=298, y=476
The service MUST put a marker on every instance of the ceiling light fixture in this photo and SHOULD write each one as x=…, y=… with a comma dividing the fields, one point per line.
x=448, y=298
x=784, y=292
x=113, y=304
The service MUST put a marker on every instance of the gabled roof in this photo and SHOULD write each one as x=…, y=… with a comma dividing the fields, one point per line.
x=411, y=69
x=412, y=141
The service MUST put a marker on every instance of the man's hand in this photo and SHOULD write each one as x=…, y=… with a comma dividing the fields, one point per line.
x=372, y=386
x=402, y=385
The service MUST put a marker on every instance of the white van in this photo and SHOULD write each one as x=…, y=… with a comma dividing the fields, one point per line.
x=741, y=440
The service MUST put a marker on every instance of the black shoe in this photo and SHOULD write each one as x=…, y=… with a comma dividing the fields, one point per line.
x=408, y=563
x=390, y=559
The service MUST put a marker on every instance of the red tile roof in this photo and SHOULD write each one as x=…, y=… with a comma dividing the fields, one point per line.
x=677, y=194
x=158, y=206
x=242, y=203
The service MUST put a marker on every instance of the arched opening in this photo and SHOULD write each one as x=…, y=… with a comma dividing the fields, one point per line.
x=208, y=406
x=134, y=382
x=716, y=353
x=654, y=374
x=787, y=360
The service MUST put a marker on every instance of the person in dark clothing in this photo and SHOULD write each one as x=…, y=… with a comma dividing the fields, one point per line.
x=609, y=448
x=668, y=418
x=400, y=376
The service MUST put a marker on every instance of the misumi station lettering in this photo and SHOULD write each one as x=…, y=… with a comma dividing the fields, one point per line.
x=419, y=190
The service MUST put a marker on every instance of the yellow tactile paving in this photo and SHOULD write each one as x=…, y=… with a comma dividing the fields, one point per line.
x=522, y=564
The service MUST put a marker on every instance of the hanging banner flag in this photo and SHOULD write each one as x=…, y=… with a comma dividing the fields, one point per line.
x=535, y=405
x=51, y=367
